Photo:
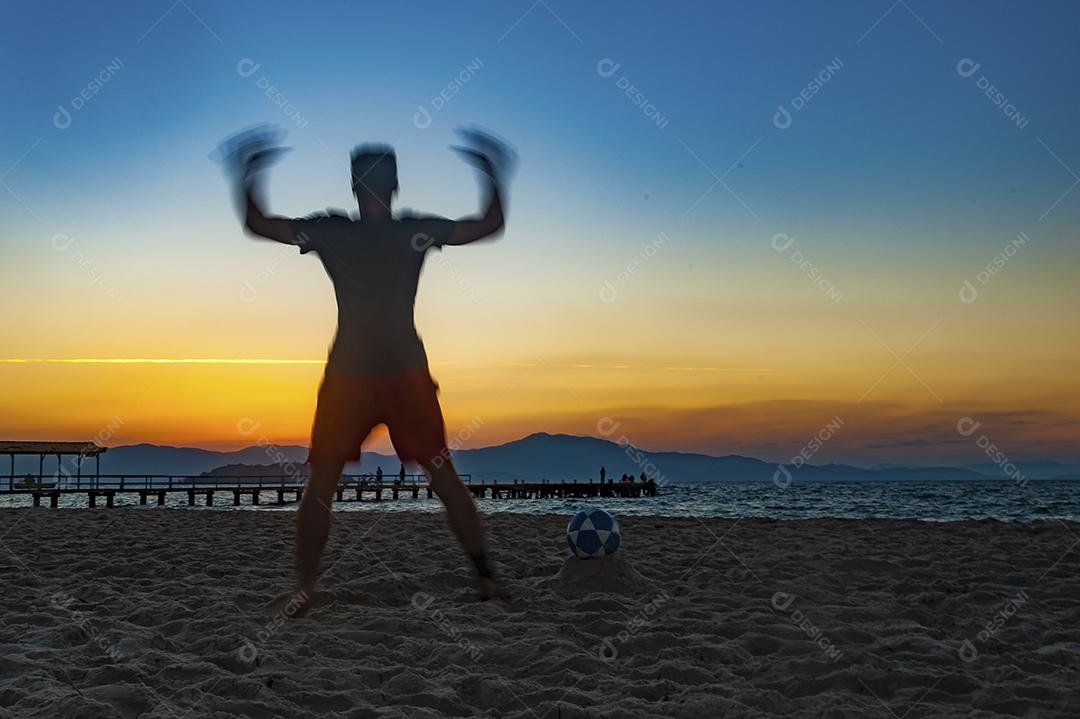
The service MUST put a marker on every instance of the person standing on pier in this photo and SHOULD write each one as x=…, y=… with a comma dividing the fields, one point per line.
x=377, y=371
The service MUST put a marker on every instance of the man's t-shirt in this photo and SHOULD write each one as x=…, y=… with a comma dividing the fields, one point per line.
x=375, y=266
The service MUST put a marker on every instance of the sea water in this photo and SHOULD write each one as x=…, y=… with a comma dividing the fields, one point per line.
x=926, y=500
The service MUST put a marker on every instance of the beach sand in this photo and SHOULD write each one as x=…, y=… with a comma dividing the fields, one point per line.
x=163, y=613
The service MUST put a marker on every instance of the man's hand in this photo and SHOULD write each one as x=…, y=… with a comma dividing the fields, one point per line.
x=244, y=155
x=251, y=150
x=487, y=153
x=495, y=159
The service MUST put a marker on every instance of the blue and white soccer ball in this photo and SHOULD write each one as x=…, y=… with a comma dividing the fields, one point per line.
x=592, y=533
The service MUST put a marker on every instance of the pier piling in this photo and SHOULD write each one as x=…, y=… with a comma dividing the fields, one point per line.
x=108, y=486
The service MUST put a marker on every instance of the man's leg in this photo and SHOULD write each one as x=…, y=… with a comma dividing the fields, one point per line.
x=313, y=521
x=464, y=520
x=460, y=508
x=418, y=434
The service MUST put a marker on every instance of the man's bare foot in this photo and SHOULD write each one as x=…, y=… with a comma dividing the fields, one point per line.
x=292, y=605
x=490, y=589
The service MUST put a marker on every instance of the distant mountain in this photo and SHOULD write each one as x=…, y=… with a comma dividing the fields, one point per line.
x=158, y=459
x=542, y=456
x=569, y=457
x=254, y=471
x=1032, y=469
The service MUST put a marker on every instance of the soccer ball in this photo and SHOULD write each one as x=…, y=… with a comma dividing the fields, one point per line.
x=592, y=533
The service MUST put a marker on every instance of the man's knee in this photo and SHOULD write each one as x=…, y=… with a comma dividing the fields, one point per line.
x=441, y=473
x=433, y=461
x=324, y=478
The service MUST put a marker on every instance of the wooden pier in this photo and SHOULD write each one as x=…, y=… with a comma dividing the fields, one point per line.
x=282, y=489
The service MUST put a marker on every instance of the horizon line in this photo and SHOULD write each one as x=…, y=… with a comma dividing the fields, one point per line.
x=302, y=361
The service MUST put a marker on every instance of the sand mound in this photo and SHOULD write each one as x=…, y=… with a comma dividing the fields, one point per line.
x=613, y=575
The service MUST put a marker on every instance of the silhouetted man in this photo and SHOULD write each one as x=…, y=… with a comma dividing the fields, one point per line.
x=377, y=371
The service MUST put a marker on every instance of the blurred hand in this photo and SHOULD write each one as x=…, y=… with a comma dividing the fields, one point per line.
x=486, y=152
x=251, y=150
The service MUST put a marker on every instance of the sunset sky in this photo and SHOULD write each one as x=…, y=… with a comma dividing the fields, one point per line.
x=730, y=223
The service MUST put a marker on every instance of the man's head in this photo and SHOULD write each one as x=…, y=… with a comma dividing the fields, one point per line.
x=374, y=174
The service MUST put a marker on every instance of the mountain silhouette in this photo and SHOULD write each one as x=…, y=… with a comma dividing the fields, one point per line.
x=538, y=456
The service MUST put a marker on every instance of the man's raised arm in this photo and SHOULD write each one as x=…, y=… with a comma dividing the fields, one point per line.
x=492, y=158
x=491, y=223
x=244, y=155
x=259, y=223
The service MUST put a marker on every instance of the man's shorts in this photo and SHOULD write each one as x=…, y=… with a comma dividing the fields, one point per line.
x=350, y=407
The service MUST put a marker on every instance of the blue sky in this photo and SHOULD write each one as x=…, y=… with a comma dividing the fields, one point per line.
x=718, y=73
x=899, y=178
x=895, y=126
